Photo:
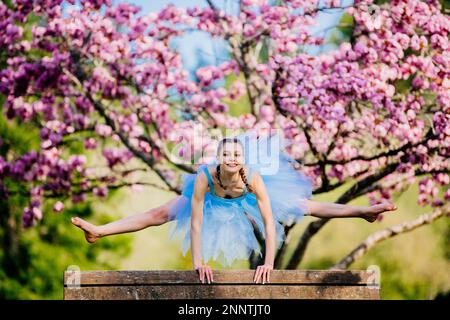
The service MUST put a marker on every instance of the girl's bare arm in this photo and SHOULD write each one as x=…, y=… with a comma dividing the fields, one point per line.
x=200, y=188
x=263, y=200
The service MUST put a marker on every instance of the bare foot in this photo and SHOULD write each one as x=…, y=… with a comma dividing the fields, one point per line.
x=89, y=229
x=374, y=212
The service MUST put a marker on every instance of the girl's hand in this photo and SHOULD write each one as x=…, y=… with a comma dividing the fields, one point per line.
x=263, y=272
x=204, y=270
x=374, y=212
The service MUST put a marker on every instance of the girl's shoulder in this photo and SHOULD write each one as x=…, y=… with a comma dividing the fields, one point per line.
x=202, y=179
x=253, y=178
x=202, y=174
x=209, y=171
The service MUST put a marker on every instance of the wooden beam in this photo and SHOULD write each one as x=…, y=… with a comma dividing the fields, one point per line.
x=228, y=284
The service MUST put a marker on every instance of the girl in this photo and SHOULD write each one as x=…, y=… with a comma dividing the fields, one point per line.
x=223, y=203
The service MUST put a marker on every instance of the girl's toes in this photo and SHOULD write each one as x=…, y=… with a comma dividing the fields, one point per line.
x=392, y=207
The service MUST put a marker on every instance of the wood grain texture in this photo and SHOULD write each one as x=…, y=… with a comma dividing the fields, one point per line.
x=229, y=284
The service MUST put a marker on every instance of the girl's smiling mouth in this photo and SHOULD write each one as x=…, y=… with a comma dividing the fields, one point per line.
x=232, y=165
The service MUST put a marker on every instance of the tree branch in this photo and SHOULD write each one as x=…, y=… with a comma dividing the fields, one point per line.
x=350, y=194
x=110, y=122
x=390, y=232
x=139, y=154
x=429, y=135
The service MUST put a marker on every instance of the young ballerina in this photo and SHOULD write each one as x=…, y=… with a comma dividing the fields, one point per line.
x=221, y=203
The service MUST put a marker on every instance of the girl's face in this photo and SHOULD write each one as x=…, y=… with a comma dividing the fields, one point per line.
x=232, y=157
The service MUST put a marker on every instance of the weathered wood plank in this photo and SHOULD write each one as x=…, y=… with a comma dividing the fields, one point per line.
x=220, y=292
x=222, y=276
x=228, y=284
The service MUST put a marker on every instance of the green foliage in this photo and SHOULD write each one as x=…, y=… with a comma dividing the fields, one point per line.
x=445, y=5
x=239, y=106
x=346, y=25
x=8, y=3
x=47, y=249
x=32, y=261
x=21, y=137
x=403, y=86
x=413, y=265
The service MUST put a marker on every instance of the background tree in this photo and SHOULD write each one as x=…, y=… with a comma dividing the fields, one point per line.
x=374, y=112
x=31, y=263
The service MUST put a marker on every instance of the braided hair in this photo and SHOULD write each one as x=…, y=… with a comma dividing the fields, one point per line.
x=241, y=171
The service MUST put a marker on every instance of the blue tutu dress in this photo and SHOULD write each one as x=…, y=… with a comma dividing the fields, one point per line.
x=227, y=234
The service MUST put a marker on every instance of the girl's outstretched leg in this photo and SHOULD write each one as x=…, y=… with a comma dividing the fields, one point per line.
x=337, y=210
x=153, y=217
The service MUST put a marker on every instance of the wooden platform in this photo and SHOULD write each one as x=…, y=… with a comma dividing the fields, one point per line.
x=229, y=284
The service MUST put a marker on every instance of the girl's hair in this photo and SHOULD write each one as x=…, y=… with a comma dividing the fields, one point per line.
x=241, y=171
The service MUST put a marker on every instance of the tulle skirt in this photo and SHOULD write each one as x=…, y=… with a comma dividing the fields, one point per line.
x=227, y=231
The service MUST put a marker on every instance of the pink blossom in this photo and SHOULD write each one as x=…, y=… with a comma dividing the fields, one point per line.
x=101, y=191
x=103, y=130
x=58, y=206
